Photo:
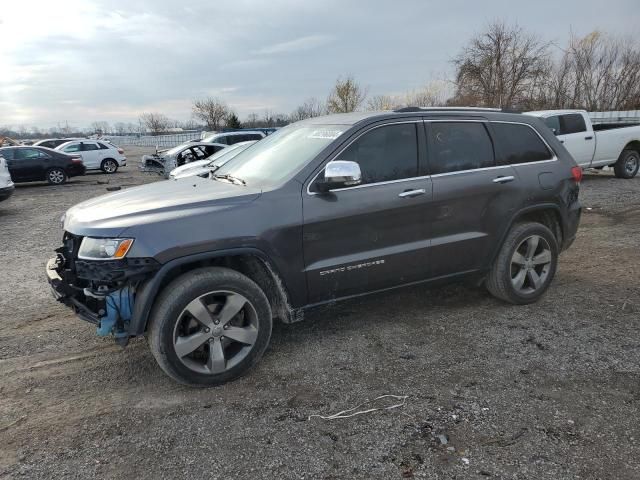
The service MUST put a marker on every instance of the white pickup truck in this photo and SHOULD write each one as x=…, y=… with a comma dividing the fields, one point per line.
x=595, y=146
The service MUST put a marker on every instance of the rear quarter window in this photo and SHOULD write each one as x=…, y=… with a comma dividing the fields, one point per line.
x=518, y=143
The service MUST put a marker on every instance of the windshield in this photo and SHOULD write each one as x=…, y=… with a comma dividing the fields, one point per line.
x=281, y=154
x=227, y=154
x=177, y=149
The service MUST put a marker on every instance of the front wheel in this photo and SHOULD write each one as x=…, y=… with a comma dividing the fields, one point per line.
x=525, y=265
x=109, y=166
x=209, y=326
x=627, y=165
x=56, y=176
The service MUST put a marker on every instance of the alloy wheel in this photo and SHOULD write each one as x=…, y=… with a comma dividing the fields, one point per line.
x=56, y=176
x=215, y=332
x=110, y=166
x=530, y=264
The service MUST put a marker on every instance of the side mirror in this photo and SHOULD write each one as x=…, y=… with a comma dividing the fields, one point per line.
x=340, y=173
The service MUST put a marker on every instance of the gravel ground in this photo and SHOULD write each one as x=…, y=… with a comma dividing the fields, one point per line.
x=550, y=390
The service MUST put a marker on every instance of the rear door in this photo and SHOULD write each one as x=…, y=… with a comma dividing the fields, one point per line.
x=374, y=235
x=473, y=196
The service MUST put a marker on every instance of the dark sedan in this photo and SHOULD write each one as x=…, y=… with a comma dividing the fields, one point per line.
x=28, y=164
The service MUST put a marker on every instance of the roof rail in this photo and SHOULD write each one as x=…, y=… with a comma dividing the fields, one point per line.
x=466, y=109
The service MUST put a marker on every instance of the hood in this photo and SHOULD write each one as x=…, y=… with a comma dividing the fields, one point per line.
x=109, y=215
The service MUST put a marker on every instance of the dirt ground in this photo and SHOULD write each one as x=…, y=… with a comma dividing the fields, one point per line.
x=550, y=390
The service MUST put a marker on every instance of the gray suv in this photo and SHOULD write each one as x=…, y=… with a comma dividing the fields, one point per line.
x=322, y=210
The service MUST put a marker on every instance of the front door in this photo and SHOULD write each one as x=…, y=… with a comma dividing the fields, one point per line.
x=374, y=235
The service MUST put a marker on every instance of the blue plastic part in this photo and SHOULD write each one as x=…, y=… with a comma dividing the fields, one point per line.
x=119, y=305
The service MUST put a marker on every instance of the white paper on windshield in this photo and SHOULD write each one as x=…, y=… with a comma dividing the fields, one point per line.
x=325, y=134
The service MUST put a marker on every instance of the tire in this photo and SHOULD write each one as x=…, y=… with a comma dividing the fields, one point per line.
x=515, y=276
x=218, y=356
x=109, y=165
x=56, y=176
x=627, y=165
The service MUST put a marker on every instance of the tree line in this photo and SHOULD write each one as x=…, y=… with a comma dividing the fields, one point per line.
x=503, y=66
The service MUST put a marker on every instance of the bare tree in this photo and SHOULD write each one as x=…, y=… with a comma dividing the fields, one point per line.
x=252, y=120
x=100, y=127
x=432, y=94
x=497, y=67
x=347, y=96
x=384, y=102
x=120, y=128
x=597, y=72
x=212, y=111
x=154, y=122
x=309, y=109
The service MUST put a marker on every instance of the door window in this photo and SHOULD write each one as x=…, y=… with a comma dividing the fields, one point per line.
x=26, y=153
x=518, y=143
x=86, y=147
x=572, y=123
x=385, y=153
x=74, y=147
x=458, y=146
x=554, y=124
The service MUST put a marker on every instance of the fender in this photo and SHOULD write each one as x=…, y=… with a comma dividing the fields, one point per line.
x=147, y=294
x=521, y=212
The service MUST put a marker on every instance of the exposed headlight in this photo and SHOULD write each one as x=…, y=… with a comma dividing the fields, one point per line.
x=104, y=248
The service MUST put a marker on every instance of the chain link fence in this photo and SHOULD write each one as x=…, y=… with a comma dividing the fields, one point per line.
x=160, y=141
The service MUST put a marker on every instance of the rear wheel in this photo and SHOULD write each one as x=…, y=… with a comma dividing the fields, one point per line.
x=56, y=176
x=209, y=326
x=628, y=164
x=525, y=265
x=109, y=165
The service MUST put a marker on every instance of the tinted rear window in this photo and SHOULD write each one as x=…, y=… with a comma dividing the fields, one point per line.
x=457, y=146
x=516, y=143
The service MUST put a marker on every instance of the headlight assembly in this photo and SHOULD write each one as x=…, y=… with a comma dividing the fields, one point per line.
x=104, y=248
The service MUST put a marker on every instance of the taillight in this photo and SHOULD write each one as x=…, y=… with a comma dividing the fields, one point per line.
x=576, y=173
x=76, y=160
x=120, y=151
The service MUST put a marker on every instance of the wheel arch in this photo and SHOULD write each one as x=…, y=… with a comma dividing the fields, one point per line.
x=632, y=145
x=548, y=214
x=251, y=262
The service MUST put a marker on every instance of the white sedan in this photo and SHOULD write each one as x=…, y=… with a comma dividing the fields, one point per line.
x=96, y=155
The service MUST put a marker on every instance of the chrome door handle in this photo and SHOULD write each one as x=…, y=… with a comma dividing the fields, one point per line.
x=510, y=178
x=412, y=193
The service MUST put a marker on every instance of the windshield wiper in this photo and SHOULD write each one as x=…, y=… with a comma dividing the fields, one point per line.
x=230, y=178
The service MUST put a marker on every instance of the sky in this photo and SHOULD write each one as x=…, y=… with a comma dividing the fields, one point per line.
x=81, y=61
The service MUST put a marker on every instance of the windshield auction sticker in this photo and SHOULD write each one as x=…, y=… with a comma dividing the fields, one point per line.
x=325, y=134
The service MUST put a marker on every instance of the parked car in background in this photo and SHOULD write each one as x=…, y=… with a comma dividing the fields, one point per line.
x=325, y=209
x=229, y=138
x=6, y=184
x=595, y=146
x=53, y=142
x=185, y=153
x=29, y=164
x=211, y=164
x=96, y=155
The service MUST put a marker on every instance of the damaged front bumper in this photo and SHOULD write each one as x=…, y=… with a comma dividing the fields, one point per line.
x=100, y=292
x=157, y=164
